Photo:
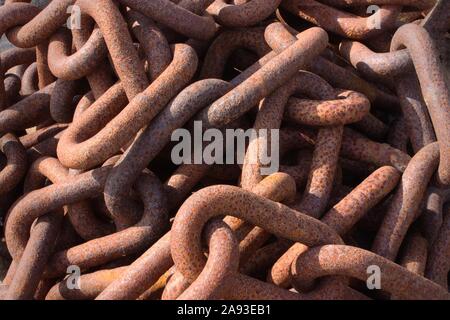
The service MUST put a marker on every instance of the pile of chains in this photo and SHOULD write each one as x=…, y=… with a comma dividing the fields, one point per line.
x=354, y=93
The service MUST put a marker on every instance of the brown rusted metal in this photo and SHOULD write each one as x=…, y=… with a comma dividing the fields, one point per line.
x=34, y=258
x=405, y=204
x=270, y=116
x=343, y=215
x=76, y=152
x=153, y=42
x=126, y=242
x=37, y=30
x=438, y=262
x=27, y=112
x=185, y=105
x=352, y=261
x=221, y=199
x=247, y=94
x=119, y=43
x=16, y=163
x=433, y=85
x=92, y=91
x=71, y=67
x=344, y=23
x=241, y=15
x=226, y=43
x=175, y=17
x=102, y=77
x=61, y=101
x=93, y=284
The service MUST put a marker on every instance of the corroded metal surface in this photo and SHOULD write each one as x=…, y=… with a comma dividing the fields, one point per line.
x=342, y=111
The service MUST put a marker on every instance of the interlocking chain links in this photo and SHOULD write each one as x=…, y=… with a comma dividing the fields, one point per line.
x=155, y=137
x=83, y=62
x=134, y=239
x=430, y=73
x=352, y=261
x=176, y=17
x=91, y=93
x=76, y=151
x=344, y=23
x=16, y=163
x=242, y=15
x=245, y=205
